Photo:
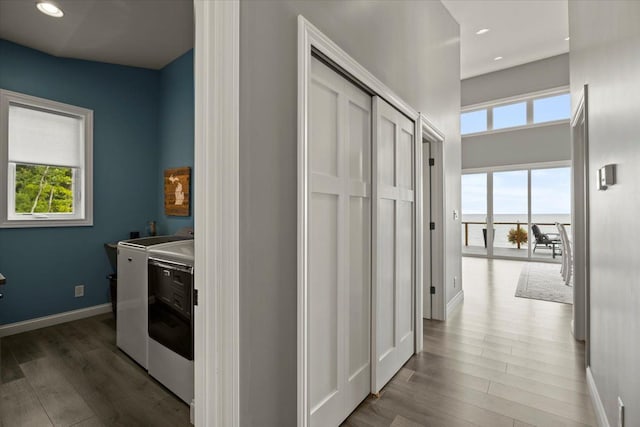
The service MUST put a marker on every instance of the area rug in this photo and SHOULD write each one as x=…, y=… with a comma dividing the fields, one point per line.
x=543, y=281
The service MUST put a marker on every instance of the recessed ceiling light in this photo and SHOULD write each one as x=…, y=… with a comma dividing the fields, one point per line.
x=497, y=58
x=567, y=39
x=482, y=31
x=49, y=8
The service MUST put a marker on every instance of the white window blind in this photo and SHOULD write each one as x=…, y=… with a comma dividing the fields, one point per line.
x=44, y=137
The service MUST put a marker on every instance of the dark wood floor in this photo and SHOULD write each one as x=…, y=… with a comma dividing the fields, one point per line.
x=497, y=361
x=73, y=375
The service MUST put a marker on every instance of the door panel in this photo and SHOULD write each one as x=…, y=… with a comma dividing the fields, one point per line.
x=339, y=333
x=394, y=148
x=323, y=147
x=323, y=292
x=386, y=296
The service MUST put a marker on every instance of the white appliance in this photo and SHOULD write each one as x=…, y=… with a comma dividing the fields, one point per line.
x=170, y=311
x=131, y=325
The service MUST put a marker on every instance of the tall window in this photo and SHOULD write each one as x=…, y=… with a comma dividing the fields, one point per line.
x=46, y=158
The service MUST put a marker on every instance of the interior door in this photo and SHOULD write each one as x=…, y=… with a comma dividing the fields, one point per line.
x=339, y=246
x=427, y=234
x=394, y=241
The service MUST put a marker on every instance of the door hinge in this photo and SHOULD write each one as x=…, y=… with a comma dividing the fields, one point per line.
x=432, y=162
x=433, y=290
x=432, y=225
x=195, y=296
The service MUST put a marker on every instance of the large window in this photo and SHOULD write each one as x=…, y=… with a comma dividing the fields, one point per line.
x=46, y=158
x=509, y=203
x=529, y=110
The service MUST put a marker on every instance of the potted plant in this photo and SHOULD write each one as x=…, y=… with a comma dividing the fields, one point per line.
x=517, y=236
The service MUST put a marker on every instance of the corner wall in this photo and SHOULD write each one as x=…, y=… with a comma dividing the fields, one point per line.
x=605, y=40
x=413, y=47
x=176, y=133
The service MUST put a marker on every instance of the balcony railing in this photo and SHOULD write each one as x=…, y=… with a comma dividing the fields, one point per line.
x=517, y=224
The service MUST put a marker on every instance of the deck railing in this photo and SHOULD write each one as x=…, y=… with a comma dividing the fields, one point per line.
x=517, y=224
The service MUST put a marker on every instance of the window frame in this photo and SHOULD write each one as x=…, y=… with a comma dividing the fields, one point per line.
x=83, y=176
x=526, y=98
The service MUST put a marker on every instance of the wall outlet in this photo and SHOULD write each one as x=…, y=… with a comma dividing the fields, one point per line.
x=79, y=291
x=620, y=412
x=455, y=281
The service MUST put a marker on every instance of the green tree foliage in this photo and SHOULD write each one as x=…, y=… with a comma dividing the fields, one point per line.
x=43, y=189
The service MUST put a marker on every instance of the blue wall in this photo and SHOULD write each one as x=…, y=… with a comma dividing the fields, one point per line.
x=176, y=125
x=42, y=265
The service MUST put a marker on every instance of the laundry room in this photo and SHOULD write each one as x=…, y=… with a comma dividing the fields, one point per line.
x=97, y=147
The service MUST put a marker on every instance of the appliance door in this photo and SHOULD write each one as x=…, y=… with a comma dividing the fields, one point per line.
x=171, y=305
x=132, y=304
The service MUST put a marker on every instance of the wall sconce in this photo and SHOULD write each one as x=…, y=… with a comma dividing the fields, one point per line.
x=606, y=176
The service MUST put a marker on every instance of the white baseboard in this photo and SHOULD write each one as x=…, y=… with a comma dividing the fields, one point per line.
x=455, y=302
x=54, y=319
x=598, y=407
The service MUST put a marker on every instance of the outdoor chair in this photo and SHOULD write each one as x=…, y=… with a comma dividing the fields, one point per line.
x=547, y=241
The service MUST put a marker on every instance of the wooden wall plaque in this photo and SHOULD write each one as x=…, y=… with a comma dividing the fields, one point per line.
x=177, y=193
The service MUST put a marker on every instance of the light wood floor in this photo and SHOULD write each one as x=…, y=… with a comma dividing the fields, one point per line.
x=73, y=375
x=497, y=361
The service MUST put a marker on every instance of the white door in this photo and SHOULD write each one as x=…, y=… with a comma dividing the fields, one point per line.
x=427, y=234
x=393, y=151
x=339, y=246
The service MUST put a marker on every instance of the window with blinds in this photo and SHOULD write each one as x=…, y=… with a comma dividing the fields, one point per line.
x=46, y=150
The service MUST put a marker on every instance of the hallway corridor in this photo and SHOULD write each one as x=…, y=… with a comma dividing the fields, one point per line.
x=497, y=361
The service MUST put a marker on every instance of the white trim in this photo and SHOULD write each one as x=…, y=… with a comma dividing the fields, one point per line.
x=598, y=406
x=505, y=168
x=438, y=274
x=82, y=199
x=455, y=302
x=580, y=222
x=310, y=38
x=559, y=90
x=54, y=319
x=418, y=219
x=216, y=213
x=514, y=128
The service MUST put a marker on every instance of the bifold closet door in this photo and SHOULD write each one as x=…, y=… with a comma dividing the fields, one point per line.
x=394, y=241
x=339, y=219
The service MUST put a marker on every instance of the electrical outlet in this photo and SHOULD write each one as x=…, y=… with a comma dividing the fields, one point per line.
x=79, y=291
x=455, y=281
x=620, y=412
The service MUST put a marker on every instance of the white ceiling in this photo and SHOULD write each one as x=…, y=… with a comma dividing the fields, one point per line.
x=521, y=31
x=139, y=33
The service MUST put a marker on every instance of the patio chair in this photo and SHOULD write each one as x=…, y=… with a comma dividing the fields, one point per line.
x=547, y=241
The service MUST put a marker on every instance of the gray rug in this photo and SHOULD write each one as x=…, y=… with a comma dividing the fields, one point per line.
x=543, y=281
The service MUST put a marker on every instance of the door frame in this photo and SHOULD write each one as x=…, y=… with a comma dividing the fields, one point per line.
x=431, y=134
x=310, y=39
x=216, y=213
x=581, y=235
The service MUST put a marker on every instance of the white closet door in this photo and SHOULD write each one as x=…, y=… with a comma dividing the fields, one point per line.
x=393, y=151
x=339, y=246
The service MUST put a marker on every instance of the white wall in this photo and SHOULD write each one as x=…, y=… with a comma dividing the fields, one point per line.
x=413, y=47
x=539, y=144
x=532, y=145
x=605, y=53
x=531, y=77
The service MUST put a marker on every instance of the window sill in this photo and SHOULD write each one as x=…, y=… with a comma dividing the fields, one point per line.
x=43, y=223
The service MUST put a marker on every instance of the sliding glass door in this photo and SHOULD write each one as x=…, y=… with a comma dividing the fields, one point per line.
x=513, y=213
x=474, y=214
x=550, y=204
